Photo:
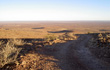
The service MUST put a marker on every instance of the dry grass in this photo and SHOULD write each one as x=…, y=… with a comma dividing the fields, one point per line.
x=1, y=42
x=8, y=53
x=50, y=37
x=17, y=42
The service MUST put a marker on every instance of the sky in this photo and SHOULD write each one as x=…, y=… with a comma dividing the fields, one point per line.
x=54, y=10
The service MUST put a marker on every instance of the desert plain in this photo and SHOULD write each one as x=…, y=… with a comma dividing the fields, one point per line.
x=49, y=45
x=39, y=29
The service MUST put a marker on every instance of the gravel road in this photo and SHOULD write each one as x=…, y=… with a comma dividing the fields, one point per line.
x=74, y=55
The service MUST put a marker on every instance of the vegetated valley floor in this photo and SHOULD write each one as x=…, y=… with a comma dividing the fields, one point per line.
x=71, y=55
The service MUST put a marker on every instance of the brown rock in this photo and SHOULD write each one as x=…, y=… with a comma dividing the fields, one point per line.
x=23, y=63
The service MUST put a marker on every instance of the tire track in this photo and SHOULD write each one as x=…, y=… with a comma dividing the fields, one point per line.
x=74, y=55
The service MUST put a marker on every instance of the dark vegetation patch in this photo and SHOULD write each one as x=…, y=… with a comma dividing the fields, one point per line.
x=103, y=30
x=62, y=31
x=39, y=28
x=7, y=29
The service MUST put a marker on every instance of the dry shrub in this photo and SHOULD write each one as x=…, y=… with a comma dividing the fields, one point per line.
x=68, y=36
x=1, y=42
x=8, y=54
x=50, y=38
x=17, y=42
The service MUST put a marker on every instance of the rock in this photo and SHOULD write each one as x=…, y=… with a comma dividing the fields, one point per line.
x=23, y=63
x=21, y=56
x=29, y=44
x=31, y=69
x=105, y=55
x=39, y=46
x=50, y=43
x=17, y=63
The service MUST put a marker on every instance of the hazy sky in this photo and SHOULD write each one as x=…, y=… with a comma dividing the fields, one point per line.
x=38, y=10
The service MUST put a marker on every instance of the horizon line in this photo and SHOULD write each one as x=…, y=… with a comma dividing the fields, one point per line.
x=54, y=20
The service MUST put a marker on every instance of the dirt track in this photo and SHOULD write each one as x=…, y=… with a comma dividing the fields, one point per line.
x=74, y=55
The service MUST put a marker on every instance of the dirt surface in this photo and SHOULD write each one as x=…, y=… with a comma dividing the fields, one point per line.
x=74, y=55
x=70, y=55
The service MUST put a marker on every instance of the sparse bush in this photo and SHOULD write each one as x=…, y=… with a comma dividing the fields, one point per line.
x=17, y=42
x=68, y=36
x=1, y=42
x=8, y=54
x=50, y=37
x=100, y=43
x=102, y=39
x=89, y=32
x=100, y=35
